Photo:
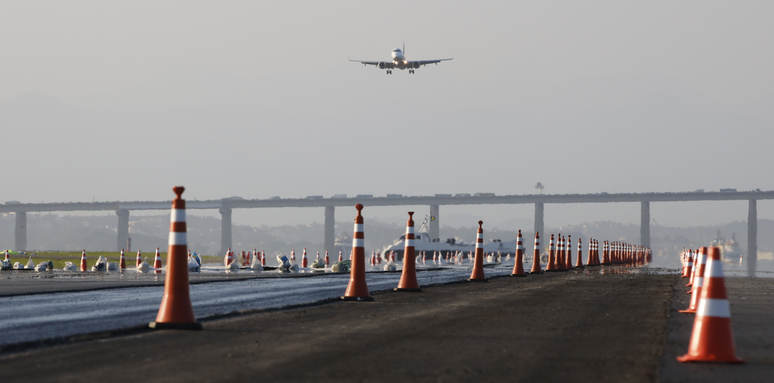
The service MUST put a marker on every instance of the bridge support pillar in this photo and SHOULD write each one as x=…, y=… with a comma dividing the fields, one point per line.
x=225, y=229
x=330, y=227
x=433, y=230
x=539, y=221
x=752, y=237
x=123, y=229
x=645, y=223
x=20, y=231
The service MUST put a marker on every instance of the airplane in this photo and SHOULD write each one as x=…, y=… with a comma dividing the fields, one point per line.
x=399, y=61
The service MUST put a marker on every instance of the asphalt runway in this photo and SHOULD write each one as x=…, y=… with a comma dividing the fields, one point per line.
x=35, y=317
x=605, y=324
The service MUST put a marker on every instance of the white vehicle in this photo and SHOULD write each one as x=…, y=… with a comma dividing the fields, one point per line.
x=423, y=242
x=399, y=61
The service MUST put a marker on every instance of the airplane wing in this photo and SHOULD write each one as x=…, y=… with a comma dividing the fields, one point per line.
x=426, y=62
x=381, y=64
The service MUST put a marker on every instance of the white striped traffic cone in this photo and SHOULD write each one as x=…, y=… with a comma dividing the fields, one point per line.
x=712, y=339
x=122, y=261
x=536, y=269
x=408, y=278
x=518, y=267
x=477, y=275
x=701, y=263
x=227, y=259
x=83, y=260
x=357, y=289
x=176, y=311
x=579, y=261
x=139, y=259
x=157, y=262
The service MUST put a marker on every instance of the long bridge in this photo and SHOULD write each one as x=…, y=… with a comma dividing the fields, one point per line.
x=225, y=207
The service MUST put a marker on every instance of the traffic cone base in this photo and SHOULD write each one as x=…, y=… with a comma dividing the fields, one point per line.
x=407, y=290
x=175, y=326
x=720, y=328
x=359, y=299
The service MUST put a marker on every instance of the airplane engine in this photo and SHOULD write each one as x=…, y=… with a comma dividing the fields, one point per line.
x=416, y=64
x=382, y=65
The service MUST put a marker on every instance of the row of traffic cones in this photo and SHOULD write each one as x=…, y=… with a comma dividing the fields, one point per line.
x=83, y=266
x=176, y=310
x=712, y=339
x=245, y=260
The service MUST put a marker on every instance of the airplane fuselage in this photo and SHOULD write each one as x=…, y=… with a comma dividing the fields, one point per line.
x=398, y=59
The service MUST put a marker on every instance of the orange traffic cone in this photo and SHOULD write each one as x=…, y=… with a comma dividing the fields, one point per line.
x=579, y=261
x=327, y=260
x=7, y=257
x=303, y=259
x=712, y=339
x=477, y=275
x=157, y=262
x=357, y=290
x=83, y=260
x=589, y=259
x=551, y=253
x=408, y=278
x=263, y=258
x=228, y=258
x=559, y=258
x=605, y=251
x=139, y=259
x=694, y=267
x=122, y=261
x=518, y=267
x=536, y=256
x=568, y=247
x=176, y=311
x=340, y=258
x=697, y=281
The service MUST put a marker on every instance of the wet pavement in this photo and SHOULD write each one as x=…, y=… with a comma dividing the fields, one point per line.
x=28, y=318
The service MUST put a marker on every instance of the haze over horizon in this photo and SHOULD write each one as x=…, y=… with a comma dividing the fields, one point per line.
x=110, y=101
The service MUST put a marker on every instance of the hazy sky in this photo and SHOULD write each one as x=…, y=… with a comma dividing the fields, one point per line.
x=121, y=100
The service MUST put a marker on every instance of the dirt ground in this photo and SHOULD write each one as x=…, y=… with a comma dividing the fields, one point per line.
x=563, y=327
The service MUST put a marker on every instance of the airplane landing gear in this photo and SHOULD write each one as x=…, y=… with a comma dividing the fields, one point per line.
x=388, y=71
x=411, y=71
